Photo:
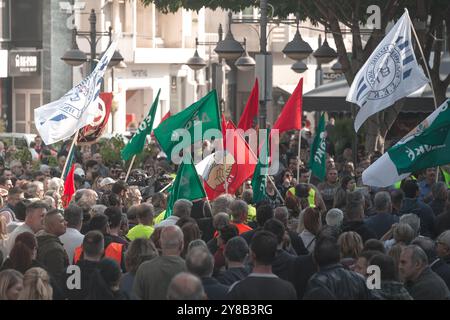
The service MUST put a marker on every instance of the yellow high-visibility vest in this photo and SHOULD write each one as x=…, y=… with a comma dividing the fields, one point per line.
x=311, y=196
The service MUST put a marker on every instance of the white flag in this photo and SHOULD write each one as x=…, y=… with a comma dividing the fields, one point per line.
x=60, y=119
x=390, y=73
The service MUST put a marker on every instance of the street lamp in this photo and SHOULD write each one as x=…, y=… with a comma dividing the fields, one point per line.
x=299, y=67
x=297, y=49
x=245, y=62
x=325, y=54
x=75, y=57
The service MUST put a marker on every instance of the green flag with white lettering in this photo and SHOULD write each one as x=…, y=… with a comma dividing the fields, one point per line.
x=187, y=185
x=318, y=157
x=201, y=116
x=428, y=145
x=259, y=179
x=136, y=144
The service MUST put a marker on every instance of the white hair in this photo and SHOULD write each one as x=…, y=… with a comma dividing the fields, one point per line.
x=334, y=217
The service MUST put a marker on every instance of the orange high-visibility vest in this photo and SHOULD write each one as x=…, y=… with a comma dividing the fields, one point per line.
x=113, y=251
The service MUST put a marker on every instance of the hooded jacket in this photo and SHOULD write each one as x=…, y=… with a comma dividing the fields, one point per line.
x=51, y=254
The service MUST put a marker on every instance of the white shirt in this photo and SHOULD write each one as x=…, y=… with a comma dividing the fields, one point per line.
x=71, y=240
x=309, y=240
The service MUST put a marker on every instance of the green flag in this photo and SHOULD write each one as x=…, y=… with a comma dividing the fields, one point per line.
x=187, y=185
x=318, y=157
x=202, y=114
x=136, y=144
x=428, y=145
x=259, y=179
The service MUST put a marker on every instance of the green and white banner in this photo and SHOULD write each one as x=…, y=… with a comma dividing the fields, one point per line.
x=428, y=145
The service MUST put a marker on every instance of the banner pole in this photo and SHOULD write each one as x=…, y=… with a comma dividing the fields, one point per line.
x=425, y=63
x=129, y=168
x=74, y=142
x=276, y=189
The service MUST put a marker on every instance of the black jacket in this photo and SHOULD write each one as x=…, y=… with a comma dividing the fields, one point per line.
x=303, y=267
x=87, y=268
x=442, y=269
x=428, y=286
x=360, y=228
x=214, y=289
x=297, y=243
x=423, y=211
x=334, y=282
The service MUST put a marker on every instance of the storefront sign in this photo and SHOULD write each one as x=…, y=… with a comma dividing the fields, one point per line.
x=24, y=63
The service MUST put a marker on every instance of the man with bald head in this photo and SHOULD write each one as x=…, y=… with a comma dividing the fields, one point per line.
x=186, y=286
x=51, y=253
x=153, y=277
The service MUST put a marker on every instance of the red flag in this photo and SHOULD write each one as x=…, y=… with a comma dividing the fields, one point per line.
x=251, y=109
x=91, y=133
x=69, y=187
x=240, y=165
x=291, y=115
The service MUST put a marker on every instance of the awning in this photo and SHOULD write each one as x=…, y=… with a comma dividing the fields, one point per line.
x=330, y=97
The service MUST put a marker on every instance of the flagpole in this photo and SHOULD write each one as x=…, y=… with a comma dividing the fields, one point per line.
x=166, y=187
x=129, y=168
x=74, y=141
x=276, y=189
x=425, y=63
x=299, y=148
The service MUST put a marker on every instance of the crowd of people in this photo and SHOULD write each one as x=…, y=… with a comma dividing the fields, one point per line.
x=307, y=240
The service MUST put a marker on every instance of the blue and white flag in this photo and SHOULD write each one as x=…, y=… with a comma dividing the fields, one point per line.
x=60, y=119
x=390, y=73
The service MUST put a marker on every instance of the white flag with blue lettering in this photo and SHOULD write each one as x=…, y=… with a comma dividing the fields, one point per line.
x=390, y=73
x=60, y=119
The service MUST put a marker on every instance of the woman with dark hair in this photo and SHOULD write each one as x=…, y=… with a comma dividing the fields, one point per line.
x=191, y=232
x=284, y=181
x=140, y=250
x=104, y=283
x=312, y=225
x=23, y=254
x=348, y=184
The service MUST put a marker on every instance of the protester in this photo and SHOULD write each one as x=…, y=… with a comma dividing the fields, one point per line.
x=201, y=263
x=72, y=238
x=145, y=214
x=34, y=221
x=93, y=248
x=263, y=251
x=104, y=282
x=420, y=281
x=139, y=251
x=236, y=254
x=333, y=281
x=51, y=253
x=390, y=287
x=153, y=277
x=36, y=285
x=185, y=286
x=11, y=284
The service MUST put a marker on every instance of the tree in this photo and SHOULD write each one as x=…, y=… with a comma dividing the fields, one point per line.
x=430, y=17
